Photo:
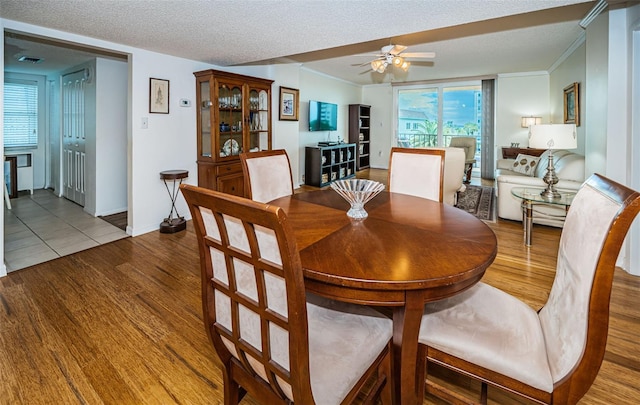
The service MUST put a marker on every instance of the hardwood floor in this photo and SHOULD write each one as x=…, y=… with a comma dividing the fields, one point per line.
x=121, y=324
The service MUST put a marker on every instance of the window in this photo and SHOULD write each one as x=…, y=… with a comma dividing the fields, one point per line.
x=430, y=115
x=20, y=114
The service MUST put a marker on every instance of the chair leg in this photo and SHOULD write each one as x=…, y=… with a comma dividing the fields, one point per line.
x=467, y=175
x=232, y=392
x=483, y=394
x=385, y=370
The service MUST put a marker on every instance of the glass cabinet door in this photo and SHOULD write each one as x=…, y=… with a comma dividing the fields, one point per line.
x=205, y=119
x=230, y=121
x=259, y=120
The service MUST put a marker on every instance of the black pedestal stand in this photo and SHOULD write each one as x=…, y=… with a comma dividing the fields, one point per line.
x=173, y=224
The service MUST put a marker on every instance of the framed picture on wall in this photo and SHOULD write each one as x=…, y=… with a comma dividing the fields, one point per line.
x=288, y=104
x=158, y=96
x=571, y=104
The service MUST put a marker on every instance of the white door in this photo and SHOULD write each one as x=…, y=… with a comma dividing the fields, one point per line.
x=73, y=136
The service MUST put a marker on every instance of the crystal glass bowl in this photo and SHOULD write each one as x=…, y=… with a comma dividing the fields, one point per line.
x=357, y=192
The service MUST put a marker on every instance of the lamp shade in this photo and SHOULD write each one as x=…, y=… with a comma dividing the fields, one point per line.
x=553, y=136
x=528, y=121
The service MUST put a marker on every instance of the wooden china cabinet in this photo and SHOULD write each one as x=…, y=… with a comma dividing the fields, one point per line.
x=234, y=116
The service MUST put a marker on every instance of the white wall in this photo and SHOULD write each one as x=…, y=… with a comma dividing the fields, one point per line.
x=111, y=77
x=595, y=110
x=285, y=134
x=168, y=143
x=571, y=70
x=517, y=96
x=618, y=98
x=610, y=138
x=382, y=130
x=622, y=137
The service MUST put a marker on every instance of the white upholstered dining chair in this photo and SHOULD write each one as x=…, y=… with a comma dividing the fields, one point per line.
x=417, y=171
x=276, y=342
x=267, y=175
x=550, y=356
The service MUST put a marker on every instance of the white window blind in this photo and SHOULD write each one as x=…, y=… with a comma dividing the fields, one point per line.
x=20, y=114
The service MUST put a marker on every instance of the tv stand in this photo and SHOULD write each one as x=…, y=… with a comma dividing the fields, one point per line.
x=324, y=164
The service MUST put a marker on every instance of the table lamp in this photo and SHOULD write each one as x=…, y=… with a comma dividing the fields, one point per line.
x=551, y=137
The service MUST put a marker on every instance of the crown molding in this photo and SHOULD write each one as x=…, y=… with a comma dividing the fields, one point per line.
x=593, y=13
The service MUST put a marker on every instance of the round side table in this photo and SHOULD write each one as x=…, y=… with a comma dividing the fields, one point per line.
x=173, y=224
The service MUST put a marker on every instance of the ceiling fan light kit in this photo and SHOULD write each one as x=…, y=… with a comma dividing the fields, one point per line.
x=391, y=57
x=378, y=65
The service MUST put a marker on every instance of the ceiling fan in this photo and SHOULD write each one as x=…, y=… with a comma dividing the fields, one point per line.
x=394, y=55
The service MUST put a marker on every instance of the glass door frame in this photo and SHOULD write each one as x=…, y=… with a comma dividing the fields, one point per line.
x=439, y=85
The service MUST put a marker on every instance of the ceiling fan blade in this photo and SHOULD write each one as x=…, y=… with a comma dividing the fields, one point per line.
x=361, y=64
x=428, y=55
x=370, y=55
x=393, y=49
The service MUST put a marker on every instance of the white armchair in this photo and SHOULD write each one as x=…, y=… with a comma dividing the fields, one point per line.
x=468, y=144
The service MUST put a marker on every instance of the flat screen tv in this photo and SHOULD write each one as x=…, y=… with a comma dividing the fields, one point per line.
x=323, y=116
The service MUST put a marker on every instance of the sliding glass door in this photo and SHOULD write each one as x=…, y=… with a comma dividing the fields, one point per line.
x=430, y=115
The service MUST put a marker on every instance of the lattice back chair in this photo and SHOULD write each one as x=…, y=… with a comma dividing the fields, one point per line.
x=273, y=342
x=551, y=356
x=267, y=175
x=469, y=144
x=418, y=172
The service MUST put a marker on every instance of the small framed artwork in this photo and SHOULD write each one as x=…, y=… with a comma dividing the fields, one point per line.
x=571, y=104
x=158, y=96
x=289, y=104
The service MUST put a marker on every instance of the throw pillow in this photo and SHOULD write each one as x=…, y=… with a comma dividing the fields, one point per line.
x=525, y=164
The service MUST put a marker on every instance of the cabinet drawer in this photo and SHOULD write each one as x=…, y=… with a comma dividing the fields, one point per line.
x=225, y=170
x=233, y=184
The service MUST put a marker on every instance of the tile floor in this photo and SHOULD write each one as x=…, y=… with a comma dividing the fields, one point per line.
x=42, y=227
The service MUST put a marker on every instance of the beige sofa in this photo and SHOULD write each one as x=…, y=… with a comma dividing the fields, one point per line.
x=569, y=168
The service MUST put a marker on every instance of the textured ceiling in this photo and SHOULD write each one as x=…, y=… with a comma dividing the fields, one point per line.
x=470, y=37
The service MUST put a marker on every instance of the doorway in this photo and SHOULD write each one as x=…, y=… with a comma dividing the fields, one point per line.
x=88, y=185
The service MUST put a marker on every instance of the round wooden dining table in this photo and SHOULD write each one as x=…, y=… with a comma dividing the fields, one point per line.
x=407, y=252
